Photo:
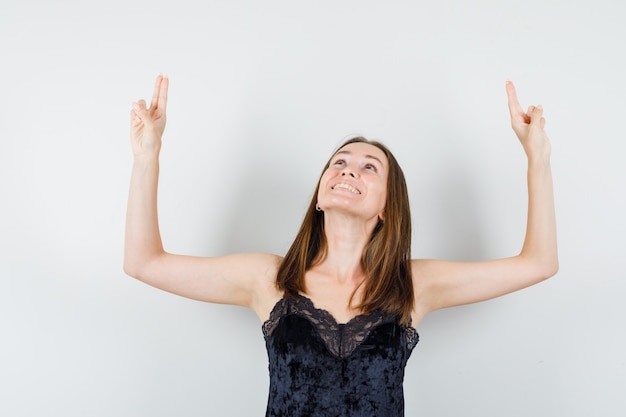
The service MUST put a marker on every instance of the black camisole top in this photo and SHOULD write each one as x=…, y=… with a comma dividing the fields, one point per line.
x=318, y=367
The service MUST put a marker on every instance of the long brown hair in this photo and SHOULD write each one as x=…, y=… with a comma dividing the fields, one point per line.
x=386, y=259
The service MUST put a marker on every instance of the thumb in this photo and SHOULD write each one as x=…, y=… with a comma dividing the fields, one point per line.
x=141, y=112
x=536, y=116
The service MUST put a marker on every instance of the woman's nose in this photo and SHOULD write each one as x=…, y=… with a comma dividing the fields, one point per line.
x=348, y=171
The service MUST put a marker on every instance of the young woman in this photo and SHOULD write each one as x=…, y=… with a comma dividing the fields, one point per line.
x=339, y=310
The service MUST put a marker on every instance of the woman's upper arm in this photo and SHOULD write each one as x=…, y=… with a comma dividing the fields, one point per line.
x=233, y=279
x=440, y=284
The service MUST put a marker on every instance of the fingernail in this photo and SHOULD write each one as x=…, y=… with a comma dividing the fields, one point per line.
x=539, y=106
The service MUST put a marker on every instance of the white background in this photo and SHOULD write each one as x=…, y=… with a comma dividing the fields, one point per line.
x=261, y=93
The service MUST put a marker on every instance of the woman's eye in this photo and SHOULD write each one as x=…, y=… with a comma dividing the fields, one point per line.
x=370, y=167
x=339, y=162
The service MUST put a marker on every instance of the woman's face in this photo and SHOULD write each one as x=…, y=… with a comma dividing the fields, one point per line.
x=355, y=181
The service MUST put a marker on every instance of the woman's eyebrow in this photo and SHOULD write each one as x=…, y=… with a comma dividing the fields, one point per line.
x=367, y=156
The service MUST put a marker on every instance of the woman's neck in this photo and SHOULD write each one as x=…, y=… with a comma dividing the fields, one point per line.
x=346, y=239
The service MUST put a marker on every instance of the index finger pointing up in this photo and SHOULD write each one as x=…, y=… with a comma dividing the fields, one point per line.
x=514, y=107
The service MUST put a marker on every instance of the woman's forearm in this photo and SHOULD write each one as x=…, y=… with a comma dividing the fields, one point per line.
x=540, y=243
x=143, y=238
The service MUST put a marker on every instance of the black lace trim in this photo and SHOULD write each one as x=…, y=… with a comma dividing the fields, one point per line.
x=340, y=339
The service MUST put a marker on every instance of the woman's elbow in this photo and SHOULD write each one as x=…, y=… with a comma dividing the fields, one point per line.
x=134, y=268
x=549, y=268
x=555, y=268
x=130, y=269
x=540, y=267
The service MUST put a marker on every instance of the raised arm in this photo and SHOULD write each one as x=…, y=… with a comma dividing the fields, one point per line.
x=245, y=279
x=440, y=284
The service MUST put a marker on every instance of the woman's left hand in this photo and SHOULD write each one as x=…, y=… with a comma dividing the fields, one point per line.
x=528, y=126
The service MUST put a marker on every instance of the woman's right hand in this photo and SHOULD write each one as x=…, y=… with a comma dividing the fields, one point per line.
x=147, y=124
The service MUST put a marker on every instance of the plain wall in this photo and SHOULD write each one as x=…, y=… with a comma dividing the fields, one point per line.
x=261, y=93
